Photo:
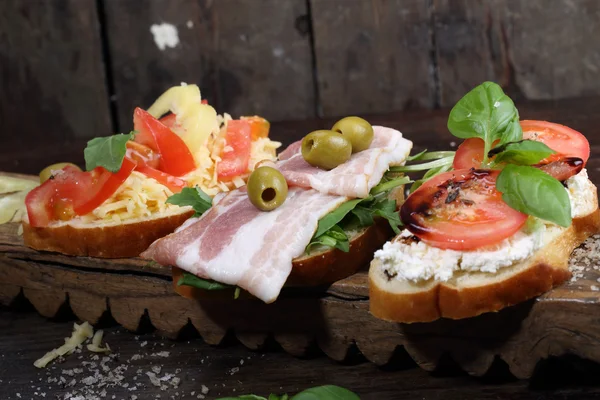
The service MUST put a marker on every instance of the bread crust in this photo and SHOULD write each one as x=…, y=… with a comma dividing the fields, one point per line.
x=112, y=241
x=546, y=269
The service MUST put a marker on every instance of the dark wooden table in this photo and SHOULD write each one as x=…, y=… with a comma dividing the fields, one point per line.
x=187, y=367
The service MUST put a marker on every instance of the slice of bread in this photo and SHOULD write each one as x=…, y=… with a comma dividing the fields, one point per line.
x=114, y=240
x=468, y=294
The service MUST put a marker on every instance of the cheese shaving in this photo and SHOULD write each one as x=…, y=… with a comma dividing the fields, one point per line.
x=81, y=333
x=138, y=197
x=96, y=342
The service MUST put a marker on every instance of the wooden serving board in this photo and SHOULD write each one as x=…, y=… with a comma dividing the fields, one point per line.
x=564, y=321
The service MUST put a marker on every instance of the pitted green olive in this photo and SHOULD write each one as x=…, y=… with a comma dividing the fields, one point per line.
x=267, y=188
x=358, y=131
x=326, y=149
x=47, y=172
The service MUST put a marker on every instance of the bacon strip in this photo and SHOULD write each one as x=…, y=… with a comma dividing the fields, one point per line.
x=354, y=178
x=237, y=244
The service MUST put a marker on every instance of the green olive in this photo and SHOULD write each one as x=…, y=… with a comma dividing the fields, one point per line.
x=47, y=172
x=358, y=131
x=267, y=188
x=326, y=149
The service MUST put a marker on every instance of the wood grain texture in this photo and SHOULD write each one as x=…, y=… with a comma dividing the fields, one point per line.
x=54, y=93
x=243, y=62
x=372, y=56
x=468, y=47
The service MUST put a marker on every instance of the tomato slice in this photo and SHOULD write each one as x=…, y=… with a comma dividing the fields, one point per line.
x=142, y=155
x=236, y=153
x=175, y=157
x=259, y=127
x=172, y=182
x=460, y=210
x=562, y=139
x=469, y=154
x=72, y=192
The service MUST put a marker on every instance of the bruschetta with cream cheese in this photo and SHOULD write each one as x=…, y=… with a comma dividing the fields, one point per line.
x=313, y=217
x=495, y=230
x=119, y=206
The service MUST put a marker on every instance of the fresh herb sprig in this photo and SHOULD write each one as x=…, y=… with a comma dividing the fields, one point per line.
x=194, y=197
x=326, y=392
x=489, y=114
x=437, y=163
x=107, y=152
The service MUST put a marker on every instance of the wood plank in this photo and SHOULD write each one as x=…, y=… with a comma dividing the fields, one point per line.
x=243, y=62
x=234, y=370
x=54, y=95
x=469, y=47
x=552, y=63
x=372, y=56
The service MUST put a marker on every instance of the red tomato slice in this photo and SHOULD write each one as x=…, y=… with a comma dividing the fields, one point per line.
x=562, y=139
x=236, y=154
x=142, y=155
x=170, y=181
x=469, y=154
x=72, y=192
x=461, y=210
x=259, y=127
x=175, y=157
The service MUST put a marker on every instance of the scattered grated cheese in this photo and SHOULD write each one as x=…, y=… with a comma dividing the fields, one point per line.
x=96, y=342
x=81, y=333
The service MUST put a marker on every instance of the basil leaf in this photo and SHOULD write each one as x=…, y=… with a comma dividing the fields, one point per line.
x=276, y=397
x=194, y=197
x=192, y=280
x=533, y=192
x=487, y=113
x=107, y=152
x=327, y=392
x=246, y=397
x=525, y=152
x=331, y=219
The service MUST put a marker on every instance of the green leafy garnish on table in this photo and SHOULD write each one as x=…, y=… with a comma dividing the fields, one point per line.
x=326, y=392
x=107, y=152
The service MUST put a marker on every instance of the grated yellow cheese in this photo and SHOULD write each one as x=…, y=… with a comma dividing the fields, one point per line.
x=208, y=157
x=138, y=197
x=80, y=334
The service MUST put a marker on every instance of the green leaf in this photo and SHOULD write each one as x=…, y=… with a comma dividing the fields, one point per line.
x=487, y=113
x=188, y=279
x=277, y=397
x=533, y=192
x=425, y=166
x=386, y=208
x=245, y=397
x=525, y=152
x=364, y=215
x=194, y=197
x=416, y=156
x=389, y=185
x=331, y=219
x=327, y=392
x=107, y=152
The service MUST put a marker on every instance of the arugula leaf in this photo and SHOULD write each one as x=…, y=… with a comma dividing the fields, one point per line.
x=487, y=113
x=425, y=166
x=326, y=392
x=334, y=237
x=331, y=219
x=416, y=156
x=428, y=175
x=386, y=208
x=194, y=197
x=188, y=279
x=525, y=152
x=533, y=192
x=107, y=152
x=364, y=215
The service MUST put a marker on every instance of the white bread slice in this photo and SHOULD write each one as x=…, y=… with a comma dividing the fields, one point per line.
x=468, y=294
x=114, y=240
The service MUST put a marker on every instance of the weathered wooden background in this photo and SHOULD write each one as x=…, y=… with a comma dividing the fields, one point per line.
x=75, y=69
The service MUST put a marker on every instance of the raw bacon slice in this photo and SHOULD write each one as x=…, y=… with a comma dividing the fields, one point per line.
x=354, y=178
x=237, y=244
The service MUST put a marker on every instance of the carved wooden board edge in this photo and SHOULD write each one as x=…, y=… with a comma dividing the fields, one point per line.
x=562, y=321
